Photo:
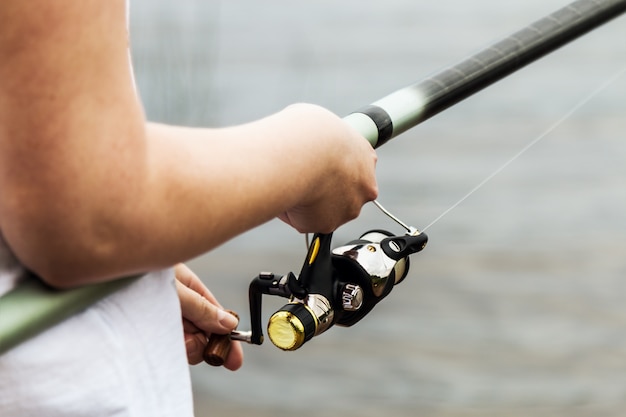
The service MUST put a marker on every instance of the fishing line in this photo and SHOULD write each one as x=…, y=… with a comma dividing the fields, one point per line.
x=553, y=127
x=409, y=229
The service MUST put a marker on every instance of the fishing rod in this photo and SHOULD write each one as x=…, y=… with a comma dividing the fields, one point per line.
x=342, y=285
x=410, y=106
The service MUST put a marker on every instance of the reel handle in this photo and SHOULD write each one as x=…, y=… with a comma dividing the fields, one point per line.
x=218, y=348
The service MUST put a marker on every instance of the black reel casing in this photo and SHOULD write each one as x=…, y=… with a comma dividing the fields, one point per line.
x=334, y=287
x=351, y=272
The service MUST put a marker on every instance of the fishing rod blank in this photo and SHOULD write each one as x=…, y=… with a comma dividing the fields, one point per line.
x=409, y=106
x=32, y=307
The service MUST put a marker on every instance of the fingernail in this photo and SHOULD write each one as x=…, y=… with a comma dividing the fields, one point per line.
x=226, y=319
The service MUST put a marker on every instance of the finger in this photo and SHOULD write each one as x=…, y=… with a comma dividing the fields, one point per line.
x=305, y=222
x=235, y=357
x=189, y=327
x=187, y=277
x=194, y=344
x=205, y=315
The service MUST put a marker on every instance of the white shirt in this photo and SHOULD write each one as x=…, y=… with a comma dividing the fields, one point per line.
x=123, y=356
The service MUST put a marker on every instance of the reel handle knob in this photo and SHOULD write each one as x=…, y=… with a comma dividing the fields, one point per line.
x=218, y=348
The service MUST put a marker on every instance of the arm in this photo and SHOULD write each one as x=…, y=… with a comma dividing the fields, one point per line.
x=91, y=191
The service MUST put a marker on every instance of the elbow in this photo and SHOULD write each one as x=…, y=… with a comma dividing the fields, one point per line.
x=50, y=260
x=62, y=248
x=65, y=262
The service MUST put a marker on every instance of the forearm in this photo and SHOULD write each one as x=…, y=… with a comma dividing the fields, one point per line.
x=206, y=186
x=182, y=193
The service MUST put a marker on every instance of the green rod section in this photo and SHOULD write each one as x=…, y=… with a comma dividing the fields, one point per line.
x=409, y=106
x=32, y=307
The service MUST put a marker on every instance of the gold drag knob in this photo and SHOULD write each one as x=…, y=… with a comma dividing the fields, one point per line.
x=290, y=327
x=286, y=331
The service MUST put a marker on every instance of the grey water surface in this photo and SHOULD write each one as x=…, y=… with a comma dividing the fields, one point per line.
x=518, y=305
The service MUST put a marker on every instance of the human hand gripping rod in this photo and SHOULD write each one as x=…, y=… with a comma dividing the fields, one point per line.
x=32, y=307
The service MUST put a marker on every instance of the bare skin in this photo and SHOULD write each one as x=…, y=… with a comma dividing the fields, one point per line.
x=202, y=316
x=91, y=191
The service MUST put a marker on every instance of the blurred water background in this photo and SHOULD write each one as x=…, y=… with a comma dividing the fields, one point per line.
x=518, y=305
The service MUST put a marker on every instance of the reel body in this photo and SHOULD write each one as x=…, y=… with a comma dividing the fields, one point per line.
x=339, y=286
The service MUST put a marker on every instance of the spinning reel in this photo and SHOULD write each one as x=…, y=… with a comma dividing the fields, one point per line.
x=338, y=286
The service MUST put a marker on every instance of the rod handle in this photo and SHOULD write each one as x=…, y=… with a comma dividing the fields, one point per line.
x=218, y=348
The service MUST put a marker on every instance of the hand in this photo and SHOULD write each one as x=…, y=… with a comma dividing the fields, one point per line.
x=347, y=180
x=202, y=316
